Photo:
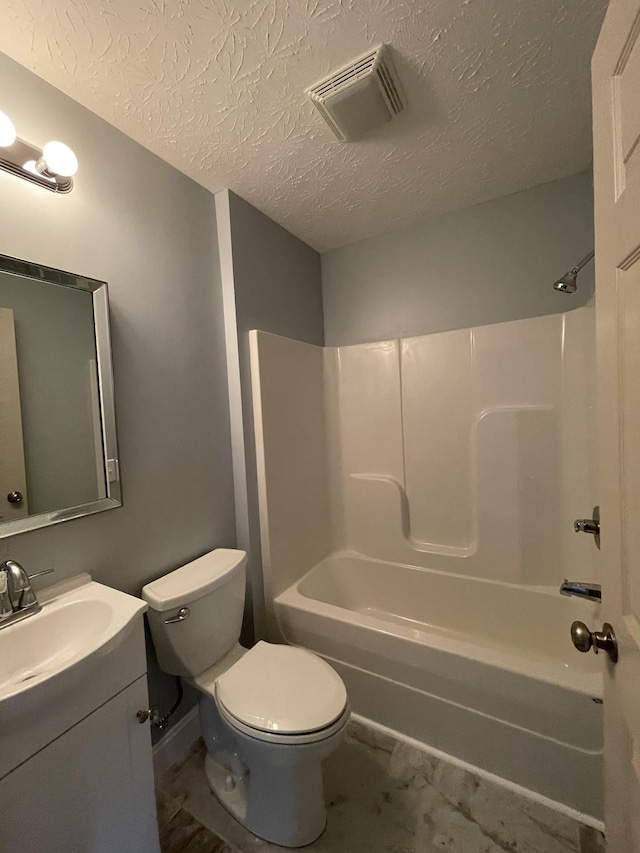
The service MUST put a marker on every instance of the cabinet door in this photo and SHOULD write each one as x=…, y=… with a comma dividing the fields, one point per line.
x=90, y=791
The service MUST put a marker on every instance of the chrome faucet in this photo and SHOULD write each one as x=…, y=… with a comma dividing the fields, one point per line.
x=17, y=598
x=590, y=525
x=591, y=591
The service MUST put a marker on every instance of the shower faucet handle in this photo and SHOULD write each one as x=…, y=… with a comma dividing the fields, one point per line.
x=586, y=525
x=589, y=525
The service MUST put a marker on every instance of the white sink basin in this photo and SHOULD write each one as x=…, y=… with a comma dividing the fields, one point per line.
x=69, y=628
x=59, y=664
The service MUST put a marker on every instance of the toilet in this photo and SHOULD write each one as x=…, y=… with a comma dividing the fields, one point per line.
x=269, y=715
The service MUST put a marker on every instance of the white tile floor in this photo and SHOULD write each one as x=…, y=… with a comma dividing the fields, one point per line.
x=383, y=796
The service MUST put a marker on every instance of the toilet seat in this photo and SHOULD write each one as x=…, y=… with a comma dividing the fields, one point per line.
x=276, y=691
x=282, y=738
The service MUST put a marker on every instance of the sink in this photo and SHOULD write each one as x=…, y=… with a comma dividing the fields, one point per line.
x=69, y=628
x=84, y=646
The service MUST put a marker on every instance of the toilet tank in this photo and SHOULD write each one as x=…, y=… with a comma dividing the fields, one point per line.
x=208, y=594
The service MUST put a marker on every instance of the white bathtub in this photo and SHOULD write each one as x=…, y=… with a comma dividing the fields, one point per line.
x=483, y=671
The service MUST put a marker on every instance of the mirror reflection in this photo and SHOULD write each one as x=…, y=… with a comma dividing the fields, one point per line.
x=57, y=433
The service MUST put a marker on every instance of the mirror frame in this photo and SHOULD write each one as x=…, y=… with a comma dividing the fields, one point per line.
x=100, y=299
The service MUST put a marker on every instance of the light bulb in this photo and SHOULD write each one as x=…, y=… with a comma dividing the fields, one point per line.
x=59, y=159
x=7, y=131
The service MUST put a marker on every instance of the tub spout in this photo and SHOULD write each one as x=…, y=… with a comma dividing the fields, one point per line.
x=581, y=590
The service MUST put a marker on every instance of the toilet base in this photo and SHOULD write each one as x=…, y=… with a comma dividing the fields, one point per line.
x=229, y=787
x=274, y=790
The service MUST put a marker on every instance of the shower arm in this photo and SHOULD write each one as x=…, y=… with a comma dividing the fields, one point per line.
x=584, y=261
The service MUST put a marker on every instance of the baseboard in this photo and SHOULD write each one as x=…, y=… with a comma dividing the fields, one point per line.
x=173, y=747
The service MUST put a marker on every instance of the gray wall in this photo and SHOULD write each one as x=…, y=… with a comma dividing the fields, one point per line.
x=486, y=264
x=149, y=231
x=272, y=282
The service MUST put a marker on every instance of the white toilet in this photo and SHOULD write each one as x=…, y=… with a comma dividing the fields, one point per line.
x=269, y=715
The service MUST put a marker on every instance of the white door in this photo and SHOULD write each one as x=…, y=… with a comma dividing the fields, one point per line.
x=616, y=120
x=12, y=471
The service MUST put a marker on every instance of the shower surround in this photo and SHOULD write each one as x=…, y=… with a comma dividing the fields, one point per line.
x=417, y=499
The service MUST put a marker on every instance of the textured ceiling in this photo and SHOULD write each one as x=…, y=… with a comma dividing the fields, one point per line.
x=497, y=90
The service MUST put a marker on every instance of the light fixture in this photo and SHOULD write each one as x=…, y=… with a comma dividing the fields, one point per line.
x=51, y=167
x=7, y=131
x=32, y=167
x=58, y=159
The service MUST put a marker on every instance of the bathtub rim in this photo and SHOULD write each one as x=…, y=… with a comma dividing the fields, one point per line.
x=540, y=589
x=584, y=683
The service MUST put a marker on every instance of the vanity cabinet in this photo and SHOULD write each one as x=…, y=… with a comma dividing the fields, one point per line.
x=90, y=791
x=76, y=769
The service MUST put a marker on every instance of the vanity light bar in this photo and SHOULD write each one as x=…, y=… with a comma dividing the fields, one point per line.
x=51, y=167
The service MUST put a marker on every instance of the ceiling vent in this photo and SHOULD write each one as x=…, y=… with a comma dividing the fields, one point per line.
x=362, y=95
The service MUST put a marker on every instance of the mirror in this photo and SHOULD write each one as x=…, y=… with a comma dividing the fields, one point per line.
x=58, y=449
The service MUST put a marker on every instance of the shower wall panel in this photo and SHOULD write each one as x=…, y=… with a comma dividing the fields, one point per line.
x=437, y=405
x=287, y=380
x=464, y=451
x=468, y=451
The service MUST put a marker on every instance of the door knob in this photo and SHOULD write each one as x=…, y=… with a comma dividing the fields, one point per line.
x=14, y=497
x=584, y=639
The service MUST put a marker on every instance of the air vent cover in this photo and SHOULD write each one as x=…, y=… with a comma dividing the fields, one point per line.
x=362, y=95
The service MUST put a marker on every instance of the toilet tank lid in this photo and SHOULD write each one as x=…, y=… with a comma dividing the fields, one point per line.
x=195, y=579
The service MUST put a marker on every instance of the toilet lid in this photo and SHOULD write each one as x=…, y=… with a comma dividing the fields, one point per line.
x=282, y=689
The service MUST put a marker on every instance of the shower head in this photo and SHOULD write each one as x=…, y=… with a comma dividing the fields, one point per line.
x=568, y=282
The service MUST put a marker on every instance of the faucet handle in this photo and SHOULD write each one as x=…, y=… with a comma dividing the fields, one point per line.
x=19, y=588
x=590, y=525
x=587, y=525
x=39, y=574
